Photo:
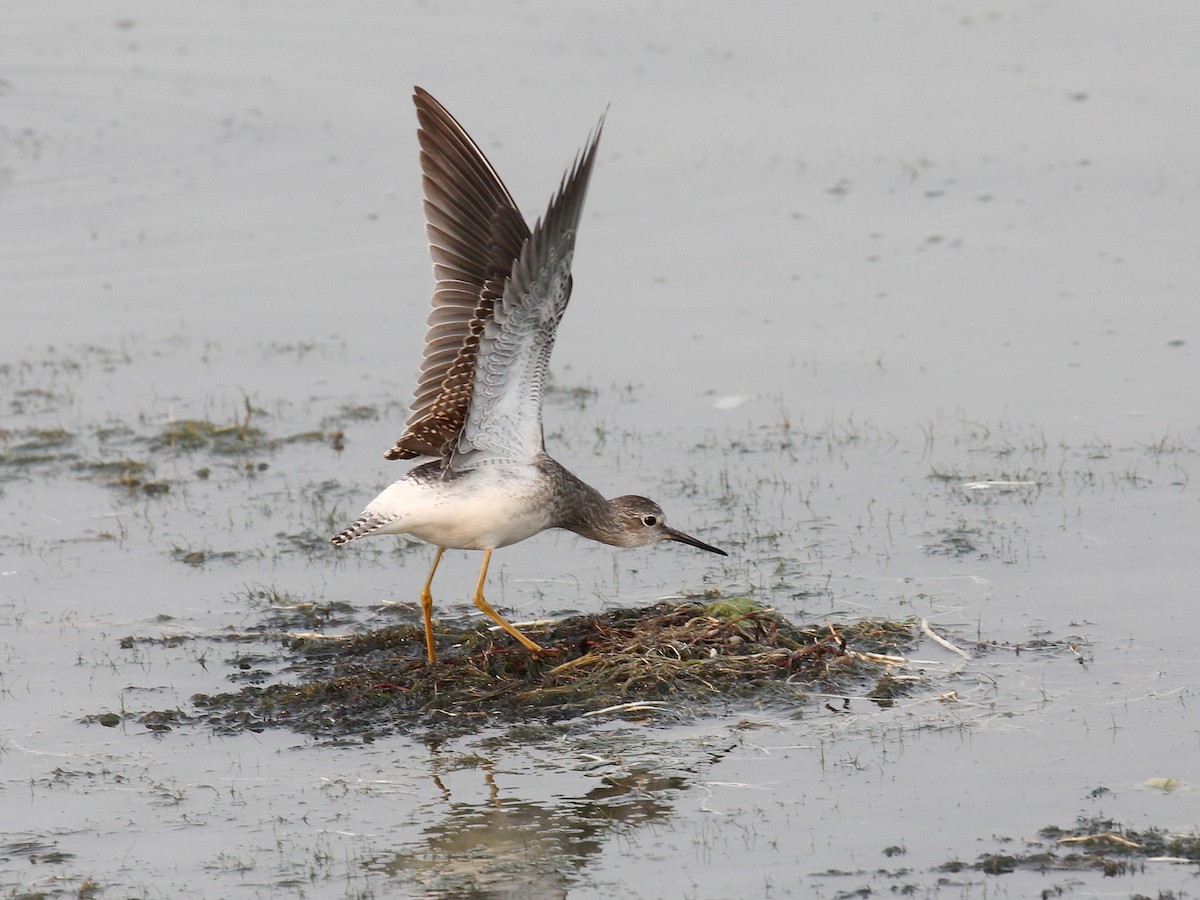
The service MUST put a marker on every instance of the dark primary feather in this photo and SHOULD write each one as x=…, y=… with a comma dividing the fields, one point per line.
x=500, y=293
x=475, y=233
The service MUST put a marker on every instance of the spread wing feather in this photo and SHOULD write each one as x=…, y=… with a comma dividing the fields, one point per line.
x=504, y=421
x=475, y=233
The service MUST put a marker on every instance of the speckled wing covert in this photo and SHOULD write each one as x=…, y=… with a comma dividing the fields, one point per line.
x=475, y=234
x=504, y=421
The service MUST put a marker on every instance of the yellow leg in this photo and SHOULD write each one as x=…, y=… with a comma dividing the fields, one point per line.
x=492, y=614
x=427, y=606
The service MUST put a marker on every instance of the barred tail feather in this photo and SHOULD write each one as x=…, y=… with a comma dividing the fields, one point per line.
x=361, y=528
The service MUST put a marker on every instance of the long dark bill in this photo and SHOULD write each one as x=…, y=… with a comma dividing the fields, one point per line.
x=674, y=535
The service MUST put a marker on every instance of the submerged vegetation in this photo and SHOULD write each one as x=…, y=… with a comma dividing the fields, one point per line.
x=1094, y=843
x=127, y=455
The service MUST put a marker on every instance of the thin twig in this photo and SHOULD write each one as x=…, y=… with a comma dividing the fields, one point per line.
x=937, y=638
x=634, y=706
x=1106, y=836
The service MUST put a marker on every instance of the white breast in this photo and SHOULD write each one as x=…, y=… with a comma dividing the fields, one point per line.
x=483, y=509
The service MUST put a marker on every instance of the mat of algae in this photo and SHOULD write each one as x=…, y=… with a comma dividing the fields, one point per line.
x=689, y=655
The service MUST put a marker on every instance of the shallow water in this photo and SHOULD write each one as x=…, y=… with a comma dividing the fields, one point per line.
x=904, y=309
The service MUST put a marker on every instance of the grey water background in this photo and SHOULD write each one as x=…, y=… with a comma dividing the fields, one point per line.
x=897, y=304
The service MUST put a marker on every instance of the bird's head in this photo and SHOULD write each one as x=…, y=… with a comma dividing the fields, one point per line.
x=641, y=521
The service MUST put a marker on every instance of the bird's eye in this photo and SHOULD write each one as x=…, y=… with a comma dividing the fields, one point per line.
x=649, y=521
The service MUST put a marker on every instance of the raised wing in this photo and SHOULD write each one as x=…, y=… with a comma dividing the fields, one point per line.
x=475, y=235
x=504, y=422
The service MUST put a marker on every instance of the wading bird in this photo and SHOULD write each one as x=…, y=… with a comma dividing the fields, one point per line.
x=500, y=293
